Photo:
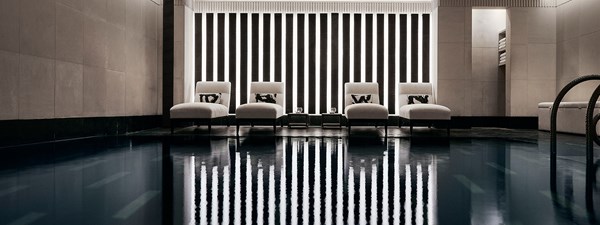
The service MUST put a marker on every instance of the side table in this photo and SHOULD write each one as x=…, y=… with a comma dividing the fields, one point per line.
x=331, y=119
x=298, y=120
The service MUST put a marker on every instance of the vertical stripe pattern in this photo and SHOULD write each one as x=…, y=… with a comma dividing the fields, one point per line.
x=310, y=181
x=313, y=53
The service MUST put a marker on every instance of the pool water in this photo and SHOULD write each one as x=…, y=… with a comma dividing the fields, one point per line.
x=293, y=180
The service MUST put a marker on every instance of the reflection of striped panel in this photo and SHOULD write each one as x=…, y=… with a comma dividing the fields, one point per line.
x=313, y=53
x=328, y=182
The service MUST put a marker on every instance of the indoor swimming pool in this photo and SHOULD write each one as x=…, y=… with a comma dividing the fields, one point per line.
x=293, y=180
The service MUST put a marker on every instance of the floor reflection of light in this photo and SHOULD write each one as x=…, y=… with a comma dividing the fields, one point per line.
x=294, y=196
x=189, y=185
x=340, y=182
x=362, y=200
x=385, y=214
x=203, y=197
x=328, y=185
x=248, y=190
x=260, y=195
x=407, y=196
x=396, y=182
x=317, y=184
x=305, y=185
x=350, y=195
x=358, y=199
x=225, y=195
x=237, y=190
x=374, y=204
x=419, y=203
x=215, y=196
x=283, y=189
x=432, y=193
x=272, y=194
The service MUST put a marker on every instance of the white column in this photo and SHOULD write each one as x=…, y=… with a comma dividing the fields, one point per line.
x=261, y=46
x=340, y=62
x=386, y=58
x=363, y=49
x=351, y=43
x=238, y=43
x=215, y=46
x=226, y=48
x=306, y=76
x=374, y=49
x=409, y=48
x=295, y=63
x=203, y=40
x=318, y=65
x=272, y=48
x=397, y=58
x=329, y=104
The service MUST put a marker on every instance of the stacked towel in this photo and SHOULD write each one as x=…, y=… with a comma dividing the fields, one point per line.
x=502, y=44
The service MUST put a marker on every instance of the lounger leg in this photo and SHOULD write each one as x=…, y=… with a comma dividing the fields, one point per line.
x=209, y=127
x=411, y=128
x=448, y=128
x=385, y=125
x=172, y=128
x=237, y=129
x=349, y=127
x=227, y=121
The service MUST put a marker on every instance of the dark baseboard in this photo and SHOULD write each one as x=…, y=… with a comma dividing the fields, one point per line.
x=17, y=132
x=463, y=122
x=513, y=122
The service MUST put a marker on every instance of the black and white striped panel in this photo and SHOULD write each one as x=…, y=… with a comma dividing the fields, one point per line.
x=313, y=53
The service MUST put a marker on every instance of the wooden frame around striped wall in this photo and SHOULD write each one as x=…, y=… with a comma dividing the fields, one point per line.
x=313, y=53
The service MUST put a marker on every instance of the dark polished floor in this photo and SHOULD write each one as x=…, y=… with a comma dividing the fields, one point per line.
x=314, y=176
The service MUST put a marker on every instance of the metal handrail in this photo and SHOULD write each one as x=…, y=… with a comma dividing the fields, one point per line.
x=590, y=135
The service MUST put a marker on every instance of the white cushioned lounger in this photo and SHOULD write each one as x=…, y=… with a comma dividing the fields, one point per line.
x=364, y=112
x=261, y=112
x=201, y=112
x=428, y=114
x=570, y=117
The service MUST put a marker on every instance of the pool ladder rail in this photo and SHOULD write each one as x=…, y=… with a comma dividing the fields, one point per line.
x=590, y=136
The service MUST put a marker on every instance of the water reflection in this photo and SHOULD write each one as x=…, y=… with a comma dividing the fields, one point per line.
x=309, y=181
x=196, y=180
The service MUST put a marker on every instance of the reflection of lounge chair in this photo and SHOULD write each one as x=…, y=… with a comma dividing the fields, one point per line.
x=418, y=107
x=362, y=105
x=265, y=105
x=204, y=112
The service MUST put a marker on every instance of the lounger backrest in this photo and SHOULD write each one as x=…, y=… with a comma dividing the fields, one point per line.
x=361, y=89
x=267, y=88
x=216, y=87
x=407, y=89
